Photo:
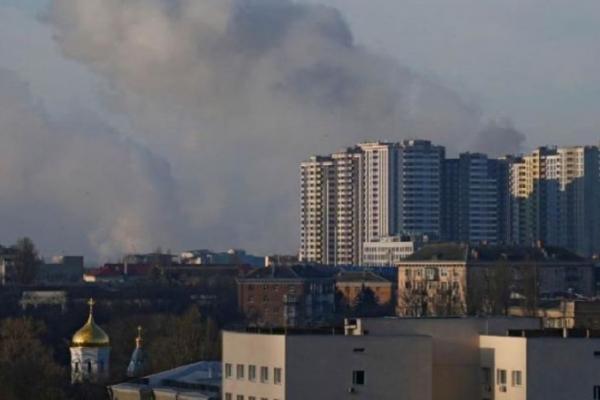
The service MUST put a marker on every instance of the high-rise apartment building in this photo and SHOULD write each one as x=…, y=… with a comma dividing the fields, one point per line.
x=419, y=200
x=555, y=198
x=379, y=186
x=366, y=193
x=331, y=198
x=475, y=199
x=379, y=189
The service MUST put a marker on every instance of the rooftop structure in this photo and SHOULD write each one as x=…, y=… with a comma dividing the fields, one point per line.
x=197, y=381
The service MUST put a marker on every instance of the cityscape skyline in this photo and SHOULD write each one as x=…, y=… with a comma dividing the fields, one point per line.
x=125, y=161
x=299, y=199
x=378, y=191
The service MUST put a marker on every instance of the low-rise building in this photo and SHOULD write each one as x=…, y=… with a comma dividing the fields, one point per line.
x=350, y=284
x=280, y=260
x=197, y=381
x=7, y=264
x=44, y=299
x=230, y=257
x=325, y=365
x=373, y=358
x=540, y=365
x=302, y=295
x=563, y=313
x=453, y=279
x=387, y=251
x=61, y=269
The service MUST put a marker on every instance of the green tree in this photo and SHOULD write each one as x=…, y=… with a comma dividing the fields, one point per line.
x=367, y=304
x=27, y=368
x=27, y=261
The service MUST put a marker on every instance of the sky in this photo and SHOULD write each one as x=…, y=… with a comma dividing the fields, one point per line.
x=128, y=125
x=533, y=61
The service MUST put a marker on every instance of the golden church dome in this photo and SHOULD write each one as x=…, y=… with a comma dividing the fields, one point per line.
x=90, y=335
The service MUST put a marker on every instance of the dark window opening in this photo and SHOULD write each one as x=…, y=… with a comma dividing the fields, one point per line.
x=358, y=377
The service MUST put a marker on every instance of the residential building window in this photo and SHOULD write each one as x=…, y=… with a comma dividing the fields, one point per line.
x=486, y=378
x=251, y=398
x=264, y=374
x=240, y=371
x=277, y=376
x=358, y=377
x=240, y=397
x=228, y=372
x=228, y=396
x=597, y=392
x=252, y=373
x=501, y=377
x=517, y=378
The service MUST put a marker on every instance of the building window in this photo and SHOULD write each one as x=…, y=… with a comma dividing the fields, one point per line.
x=252, y=373
x=240, y=371
x=597, y=392
x=240, y=397
x=358, y=377
x=228, y=372
x=517, y=378
x=277, y=376
x=228, y=396
x=77, y=367
x=89, y=367
x=264, y=374
x=251, y=398
x=501, y=377
x=430, y=274
x=486, y=377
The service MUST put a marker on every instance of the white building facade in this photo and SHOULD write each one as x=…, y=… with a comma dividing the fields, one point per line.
x=387, y=251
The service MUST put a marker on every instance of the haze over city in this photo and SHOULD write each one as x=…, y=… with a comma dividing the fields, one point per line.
x=130, y=125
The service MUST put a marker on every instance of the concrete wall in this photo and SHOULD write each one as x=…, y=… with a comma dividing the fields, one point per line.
x=456, y=358
x=321, y=367
x=253, y=349
x=562, y=368
x=509, y=354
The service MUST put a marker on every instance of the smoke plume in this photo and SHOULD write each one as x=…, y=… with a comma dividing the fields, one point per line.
x=76, y=185
x=222, y=100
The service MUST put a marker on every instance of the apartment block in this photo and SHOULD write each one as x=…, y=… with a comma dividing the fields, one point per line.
x=301, y=295
x=475, y=199
x=331, y=205
x=387, y=251
x=453, y=279
x=368, y=192
x=554, y=198
x=380, y=182
x=419, y=199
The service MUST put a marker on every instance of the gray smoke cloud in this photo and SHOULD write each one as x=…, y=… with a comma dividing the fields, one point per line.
x=500, y=138
x=75, y=184
x=228, y=96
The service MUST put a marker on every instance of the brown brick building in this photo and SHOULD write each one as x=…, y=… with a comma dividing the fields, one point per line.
x=294, y=296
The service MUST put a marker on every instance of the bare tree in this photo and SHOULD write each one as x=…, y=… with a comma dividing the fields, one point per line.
x=413, y=301
x=26, y=261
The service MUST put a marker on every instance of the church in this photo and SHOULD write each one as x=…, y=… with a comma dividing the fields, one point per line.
x=90, y=353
